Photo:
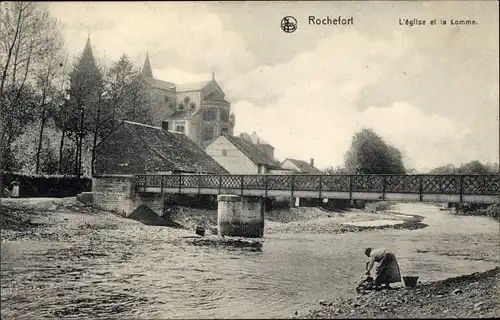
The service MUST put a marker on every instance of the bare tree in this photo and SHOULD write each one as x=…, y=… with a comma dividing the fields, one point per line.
x=26, y=30
x=51, y=72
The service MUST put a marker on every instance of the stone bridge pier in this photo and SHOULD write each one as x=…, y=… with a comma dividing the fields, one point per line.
x=236, y=215
x=117, y=193
x=240, y=216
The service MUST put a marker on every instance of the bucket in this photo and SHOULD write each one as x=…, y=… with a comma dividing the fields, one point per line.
x=410, y=282
x=200, y=231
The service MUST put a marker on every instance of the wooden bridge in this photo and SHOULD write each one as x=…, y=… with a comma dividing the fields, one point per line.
x=426, y=188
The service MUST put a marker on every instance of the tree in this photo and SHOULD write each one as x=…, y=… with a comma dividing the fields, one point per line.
x=20, y=114
x=370, y=154
x=118, y=82
x=493, y=168
x=25, y=39
x=187, y=105
x=124, y=92
x=447, y=169
x=336, y=170
x=137, y=105
x=25, y=148
x=472, y=167
x=85, y=97
x=49, y=78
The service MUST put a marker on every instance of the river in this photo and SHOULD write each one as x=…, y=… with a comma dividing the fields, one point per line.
x=104, y=266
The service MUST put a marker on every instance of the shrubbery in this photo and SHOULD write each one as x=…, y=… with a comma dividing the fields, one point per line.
x=473, y=209
x=47, y=185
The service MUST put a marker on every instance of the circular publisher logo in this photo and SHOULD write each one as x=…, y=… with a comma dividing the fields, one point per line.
x=289, y=24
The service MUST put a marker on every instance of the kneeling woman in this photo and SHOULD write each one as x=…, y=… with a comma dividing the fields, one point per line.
x=387, y=270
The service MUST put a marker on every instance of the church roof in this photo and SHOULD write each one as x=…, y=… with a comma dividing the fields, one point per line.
x=251, y=151
x=304, y=166
x=169, y=151
x=195, y=86
x=213, y=97
x=146, y=69
x=160, y=84
x=147, y=73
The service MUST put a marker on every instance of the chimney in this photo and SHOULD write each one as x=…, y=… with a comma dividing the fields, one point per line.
x=164, y=125
x=312, y=162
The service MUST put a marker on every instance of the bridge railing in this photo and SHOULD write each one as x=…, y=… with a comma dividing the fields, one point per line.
x=422, y=184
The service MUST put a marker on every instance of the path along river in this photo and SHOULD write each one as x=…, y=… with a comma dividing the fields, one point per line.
x=93, y=265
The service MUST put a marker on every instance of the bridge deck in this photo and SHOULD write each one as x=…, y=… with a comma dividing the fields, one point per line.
x=430, y=188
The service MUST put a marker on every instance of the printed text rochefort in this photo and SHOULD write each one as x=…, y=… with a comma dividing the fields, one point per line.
x=325, y=21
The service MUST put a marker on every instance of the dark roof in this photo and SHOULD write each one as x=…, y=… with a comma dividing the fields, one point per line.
x=176, y=151
x=146, y=69
x=177, y=115
x=254, y=138
x=252, y=151
x=304, y=166
x=160, y=84
x=196, y=86
x=213, y=97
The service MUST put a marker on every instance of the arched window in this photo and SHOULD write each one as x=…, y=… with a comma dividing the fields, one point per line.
x=179, y=126
x=208, y=133
x=210, y=115
x=224, y=115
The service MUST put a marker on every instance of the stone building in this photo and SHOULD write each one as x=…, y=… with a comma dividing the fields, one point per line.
x=239, y=156
x=135, y=148
x=300, y=166
x=260, y=143
x=199, y=110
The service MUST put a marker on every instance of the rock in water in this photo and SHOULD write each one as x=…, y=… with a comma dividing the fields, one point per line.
x=200, y=231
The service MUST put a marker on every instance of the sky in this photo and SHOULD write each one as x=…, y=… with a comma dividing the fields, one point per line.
x=430, y=90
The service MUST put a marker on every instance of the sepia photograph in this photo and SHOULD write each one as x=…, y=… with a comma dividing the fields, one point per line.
x=249, y=159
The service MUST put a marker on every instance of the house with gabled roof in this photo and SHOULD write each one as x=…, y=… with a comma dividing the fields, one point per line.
x=300, y=166
x=135, y=148
x=239, y=156
x=199, y=110
x=259, y=142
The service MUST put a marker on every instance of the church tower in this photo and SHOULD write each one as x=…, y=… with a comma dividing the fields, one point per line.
x=146, y=69
x=199, y=110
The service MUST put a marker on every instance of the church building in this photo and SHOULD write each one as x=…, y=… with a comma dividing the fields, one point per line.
x=199, y=110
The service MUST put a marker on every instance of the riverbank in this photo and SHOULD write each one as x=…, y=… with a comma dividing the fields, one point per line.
x=313, y=220
x=474, y=295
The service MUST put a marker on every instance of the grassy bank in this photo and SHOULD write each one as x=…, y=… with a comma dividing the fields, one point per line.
x=470, y=209
x=475, y=295
x=286, y=220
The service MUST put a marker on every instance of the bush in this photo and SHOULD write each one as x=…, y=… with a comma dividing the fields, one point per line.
x=475, y=209
x=47, y=185
x=493, y=211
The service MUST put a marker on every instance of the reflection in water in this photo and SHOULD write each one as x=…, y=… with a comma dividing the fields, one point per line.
x=131, y=270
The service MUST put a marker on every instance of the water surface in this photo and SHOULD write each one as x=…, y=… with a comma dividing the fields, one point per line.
x=101, y=265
